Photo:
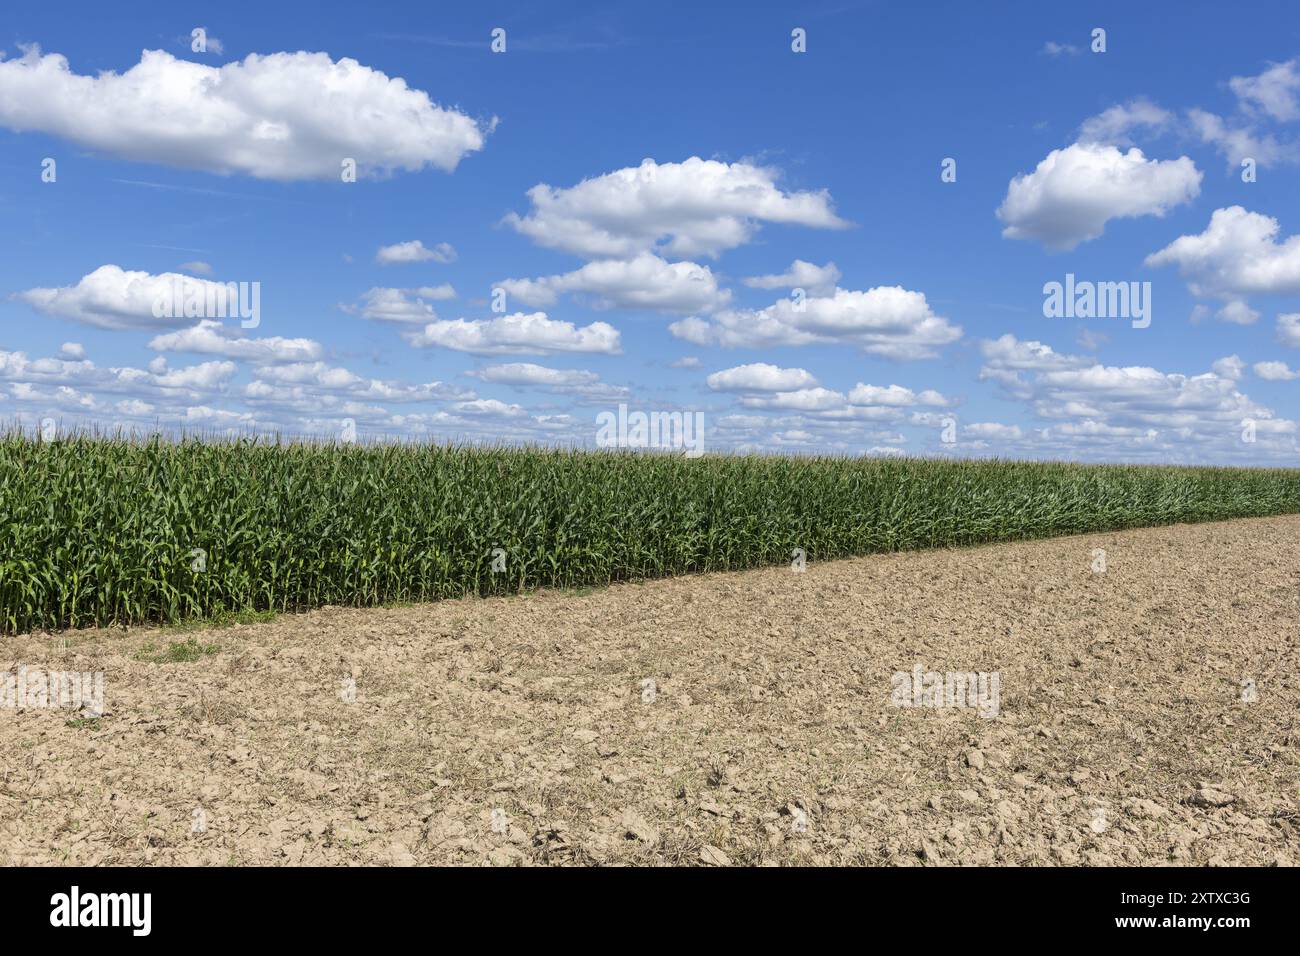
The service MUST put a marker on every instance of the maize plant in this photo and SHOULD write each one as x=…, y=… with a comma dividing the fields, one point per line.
x=113, y=531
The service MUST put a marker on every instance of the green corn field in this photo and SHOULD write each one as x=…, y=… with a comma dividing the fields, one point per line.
x=112, y=531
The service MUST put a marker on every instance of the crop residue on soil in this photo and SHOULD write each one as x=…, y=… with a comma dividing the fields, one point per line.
x=1147, y=714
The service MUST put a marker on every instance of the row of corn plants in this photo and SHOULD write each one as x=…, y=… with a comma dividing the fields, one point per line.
x=104, y=531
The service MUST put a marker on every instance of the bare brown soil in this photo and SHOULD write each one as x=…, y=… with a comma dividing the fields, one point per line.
x=521, y=730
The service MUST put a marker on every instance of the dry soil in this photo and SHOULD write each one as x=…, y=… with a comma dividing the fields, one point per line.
x=1146, y=714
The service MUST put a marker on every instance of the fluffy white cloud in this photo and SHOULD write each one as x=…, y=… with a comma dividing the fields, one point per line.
x=887, y=320
x=895, y=396
x=1270, y=96
x=823, y=407
x=794, y=436
x=205, y=376
x=284, y=116
x=414, y=251
x=490, y=408
x=114, y=298
x=287, y=397
x=1237, y=255
x=643, y=282
x=1238, y=313
x=206, y=417
x=526, y=373
x=304, y=398
x=1275, y=371
x=810, y=414
x=298, y=408
x=1230, y=366
x=801, y=399
x=1075, y=191
x=1113, y=126
x=1275, y=92
x=808, y=419
x=813, y=279
x=401, y=305
x=1092, y=429
x=521, y=333
x=1288, y=329
x=1235, y=140
x=1143, y=402
x=304, y=382
x=993, y=430
x=213, y=338
x=693, y=208
x=760, y=377
x=1011, y=354
x=158, y=382
x=579, y=383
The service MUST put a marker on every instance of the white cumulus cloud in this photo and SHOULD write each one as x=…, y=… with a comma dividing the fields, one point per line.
x=813, y=279
x=642, y=282
x=1075, y=191
x=1230, y=366
x=1288, y=329
x=1138, y=403
x=115, y=298
x=521, y=333
x=760, y=377
x=886, y=320
x=414, y=251
x=1113, y=126
x=992, y=430
x=214, y=338
x=1275, y=371
x=896, y=396
x=694, y=208
x=402, y=305
x=282, y=116
x=1237, y=255
x=1275, y=92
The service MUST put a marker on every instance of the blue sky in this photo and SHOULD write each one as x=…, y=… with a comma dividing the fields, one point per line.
x=648, y=184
